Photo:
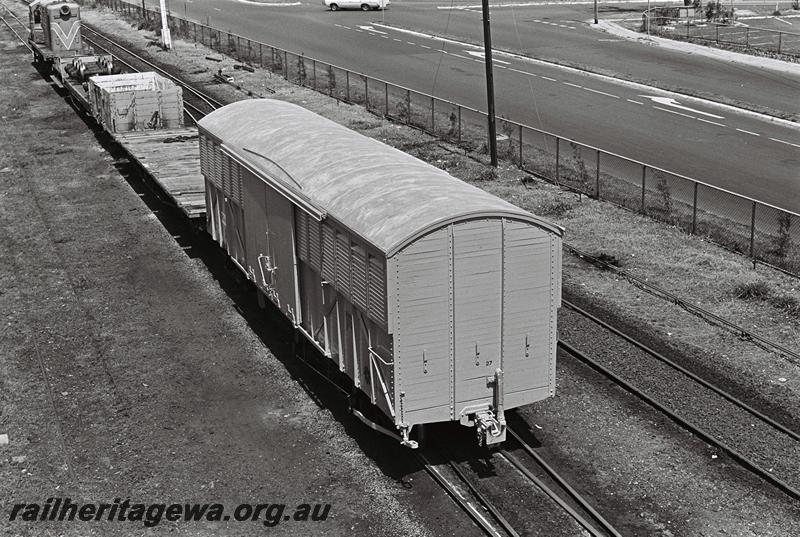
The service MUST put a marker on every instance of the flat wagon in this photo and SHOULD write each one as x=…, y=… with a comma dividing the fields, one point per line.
x=437, y=299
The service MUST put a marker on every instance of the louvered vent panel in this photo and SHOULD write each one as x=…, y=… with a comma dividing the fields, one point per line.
x=226, y=175
x=314, y=244
x=328, y=254
x=358, y=277
x=236, y=181
x=204, y=156
x=301, y=234
x=343, y=263
x=377, y=290
x=216, y=165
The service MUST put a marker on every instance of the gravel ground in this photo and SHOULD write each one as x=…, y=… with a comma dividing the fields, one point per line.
x=643, y=473
x=127, y=372
x=655, y=478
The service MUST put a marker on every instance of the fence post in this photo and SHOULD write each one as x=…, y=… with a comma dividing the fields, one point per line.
x=408, y=102
x=716, y=27
x=314, y=72
x=286, y=65
x=386, y=99
x=433, y=118
x=459, y=123
x=644, y=178
x=260, y=54
x=557, y=159
x=366, y=93
x=347, y=85
x=520, y=147
x=753, y=234
x=780, y=35
x=597, y=177
x=747, y=36
x=694, y=209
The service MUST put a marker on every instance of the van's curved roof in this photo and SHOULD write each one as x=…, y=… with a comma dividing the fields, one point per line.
x=386, y=196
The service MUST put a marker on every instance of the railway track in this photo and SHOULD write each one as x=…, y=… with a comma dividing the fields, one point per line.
x=477, y=508
x=8, y=18
x=756, y=441
x=198, y=102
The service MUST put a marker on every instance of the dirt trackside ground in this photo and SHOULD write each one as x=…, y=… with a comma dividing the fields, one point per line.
x=126, y=372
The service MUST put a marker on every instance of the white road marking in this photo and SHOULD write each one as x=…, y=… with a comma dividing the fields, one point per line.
x=674, y=112
x=571, y=84
x=634, y=102
x=425, y=46
x=712, y=122
x=748, y=132
x=602, y=93
x=398, y=40
x=787, y=22
x=548, y=78
x=669, y=101
x=412, y=43
x=481, y=55
x=605, y=78
x=521, y=72
x=371, y=29
x=784, y=142
x=217, y=9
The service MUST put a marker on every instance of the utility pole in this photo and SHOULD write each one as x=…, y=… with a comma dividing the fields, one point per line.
x=595, y=11
x=166, y=39
x=487, y=47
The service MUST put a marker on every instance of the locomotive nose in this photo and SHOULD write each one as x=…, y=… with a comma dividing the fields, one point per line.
x=65, y=11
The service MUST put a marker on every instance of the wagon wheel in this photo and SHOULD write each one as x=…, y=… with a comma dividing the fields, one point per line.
x=334, y=7
x=365, y=7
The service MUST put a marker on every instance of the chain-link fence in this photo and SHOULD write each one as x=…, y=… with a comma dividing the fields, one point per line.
x=763, y=232
x=669, y=22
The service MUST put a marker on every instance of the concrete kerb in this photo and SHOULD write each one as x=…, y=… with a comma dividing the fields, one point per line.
x=779, y=66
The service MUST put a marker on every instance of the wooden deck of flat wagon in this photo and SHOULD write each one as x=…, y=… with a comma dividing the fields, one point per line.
x=171, y=157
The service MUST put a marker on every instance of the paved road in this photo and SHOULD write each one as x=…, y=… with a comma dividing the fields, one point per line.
x=736, y=151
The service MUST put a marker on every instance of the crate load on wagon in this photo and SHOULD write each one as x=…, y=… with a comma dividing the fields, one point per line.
x=436, y=298
x=136, y=101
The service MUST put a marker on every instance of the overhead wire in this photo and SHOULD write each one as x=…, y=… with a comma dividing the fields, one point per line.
x=442, y=50
x=530, y=80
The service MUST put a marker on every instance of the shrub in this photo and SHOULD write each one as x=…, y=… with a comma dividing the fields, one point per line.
x=752, y=291
x=784, y=239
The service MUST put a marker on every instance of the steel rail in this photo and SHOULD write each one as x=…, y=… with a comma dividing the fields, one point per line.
x=482, y=498
x=716, y=389
x=438, y=477
x=550, y=493
x=22, y=39
x=584, y=503
x=210, y=101
x=186, y=104
x=688, y=306
x=698, y=431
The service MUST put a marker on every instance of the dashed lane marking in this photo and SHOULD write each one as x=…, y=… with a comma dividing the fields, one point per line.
x=784, y=142
x=602, y=93
x=571, y=84
x=674, y=112
x=548, y=78
x=634, y=102
x=712, y=122
x=748, y=132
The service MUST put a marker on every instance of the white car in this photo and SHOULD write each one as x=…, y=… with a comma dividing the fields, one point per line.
x=363, y=5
